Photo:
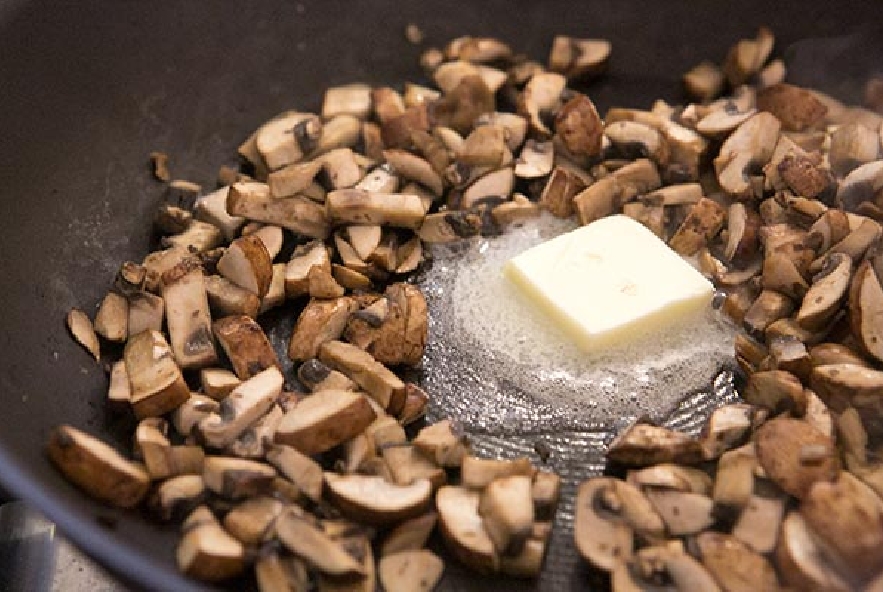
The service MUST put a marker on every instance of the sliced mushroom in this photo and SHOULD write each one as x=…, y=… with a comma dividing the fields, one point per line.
x=545, y=491
x=463, y=530
x=682, y=512
x=506, y=508
x=410, y=571
x=768, y=307
x=758, y=524
x=797, y=108
x=373, y=500
x=701, y=225
x=206, y=551
x=444, y=442
x=316, y=547
x=781, y=444
x=802, y=563
x=96, y=468
x=81, y=328
x=602, y=538
x=477, y=49
x=825, y=354
x=250, y=520
x=604, y=197
x=415, y=168
x=734, y=480
x=407, y=464
x=828, y=290
x=248, y=264
x=734, y=566
x=852, y=145
x=156, y=382
x=320, y=321
x=750, y=146
x=237, y=478
x=245, y=344
x=497, y=184
x=197, y=238
x=409, y=535
x=112, y=318
x=299, y=468
x=187, y=315
x=579, y=126
x=212, y=208
x=241, y=408
x=416, y=401
x=377, y=380
x=226, y=298
x=726, y=428
x=297, y=214
x=748, y=56
x=287, y=138
x=633, y=139
x=666, y=563
x=161, y=459
x=560, y=189
x=541, y=95
x=861, y=185
x=643, y=445
x=450, y=75
x=866, y=310
x=119, y=391
x=671, y=476
x=349, y=99
x=478, y=473
x=704, y=81
x=352, y=206
x=776, y=390
x=324, y=420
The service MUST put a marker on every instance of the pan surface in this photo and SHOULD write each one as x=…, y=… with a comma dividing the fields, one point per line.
x=87, y=90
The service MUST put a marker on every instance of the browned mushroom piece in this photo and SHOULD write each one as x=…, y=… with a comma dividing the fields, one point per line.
x=300, y=215
x=377, y=380
x=769, y=306
x=506, y=508
x=758, y=524
x=748, y=56
x=578, y=58
x=579, y=126
x=461, y=106
x=444, y=442
x=461, y=526
x=286, y=138
x=197, y=238
x=643, y=444
x=776, y=390
x=477, y=49
x=734, y=480
x=633, y=139
x=559, y=191
x=352, y=206
x=410, y=571
x=320, y=321
x=750, y=146
x=784, y=447
x=735, y=566
x=861, y=185
x=324, y=420
x=245, y=344
x=478, y=473
x=112, y=318
x=250, y=520
x=81, y=328
x=701, y=225
x=206, y=551
x=743, y=225
x=542, y=95
x=704, y=81
x=157, y=385
x=305, y=539
x=828, y=290
x=726, y=428
x=373, y=500
x=797, y=108
x=852, y=145
x=802, y=563
x=866, y=310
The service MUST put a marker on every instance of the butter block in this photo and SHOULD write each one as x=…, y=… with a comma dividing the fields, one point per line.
x=610, y=283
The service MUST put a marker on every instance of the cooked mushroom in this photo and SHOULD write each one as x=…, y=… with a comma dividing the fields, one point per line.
x=187, y=315
x=245, y=344
x=478, y=473
x=644, y=444
x=750, y=146
x=828, y=290
x=410, y=571
x=734, y=566
x=633, y=139
x=161, y=459
x=206, y=551
x=350, y=99
x=506, y=508
x=248, y=264
x=156, y=382
x=407, y=464
x=541, y=95
x=605, y=196
x=704, y=81
x=559, y=191
x=797, y=108
x=302, y=470
x=373, y=500
x=192, y=411
x=237, y=478
x=497, y=184
x=112, y=318
x=545, y=491
x=444, y=442
x=477, y=49
x=780, y=444
x=802, y=563
x=463, y=530
x=861, y=185
x=96, y=468
x=852, y=145
x=576, y=58
x=277, y=573
x=249, y=521
x=866, y=310
x=416, y=401
x=324, y=420
x=415, y=168
x=212, y=208
x=303, y=260
x=377, y=380
x=769, y=306
x=602, y=538
x=297, y=214
x=316, y=547
x=178, y=496
x=247, y=403
x=409, y=535
x=275, y=295
x=682, y=512
x=320, y=321
x=398, y=335
x=352, y=206
x=758, y=524
x=450, y=75
x=776, y=390
x=197, y=238
x=734, y=480
x=81, y=328
x=286, y=138
x=748, y=56
x=226, y=298
x=700, y=226
x=579, y=126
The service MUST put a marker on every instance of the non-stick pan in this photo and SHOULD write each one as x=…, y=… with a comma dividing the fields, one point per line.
x=88, y=89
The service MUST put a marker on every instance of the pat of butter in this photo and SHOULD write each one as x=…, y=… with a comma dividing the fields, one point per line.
x=610, y=282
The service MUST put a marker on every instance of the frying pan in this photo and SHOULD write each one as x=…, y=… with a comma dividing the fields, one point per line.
x=88, y=89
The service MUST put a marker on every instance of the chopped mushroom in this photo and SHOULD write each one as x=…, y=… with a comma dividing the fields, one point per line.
x=320, y=321
x=750, y=146
x=306, y=540
x=156, y=382
x=187, y=315
x=112, y=318
x=206, y=551
x=248, y=264
x=644, y=445
x=245, y=344
x=226, y=298
x=602, y=538
x=286, y=138
x=373, y=500
x=506, y=509
x=797, y=108
x=352, y=206
x=705, y=81
x=866, y=309
x=81, y=328
x=781, y=442
x=443, y=442
x=297, y=214
x=237, y=478
x=377, y=380
x=462, y=528
x=701, y=225
x=802, y=563
x=478, y=473
x=576, y=58
x=212, y=208
x=324, y=420
x=248, y=402
x=302, y=470
x=828, y=290
x=410, y=571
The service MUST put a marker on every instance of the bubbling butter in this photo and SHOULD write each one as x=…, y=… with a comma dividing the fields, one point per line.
x=500, y=365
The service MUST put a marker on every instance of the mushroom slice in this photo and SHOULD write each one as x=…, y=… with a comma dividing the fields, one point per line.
x=541, y=95
x=602, y=537
x=187, y=315
x=768, y=307
x=350, y=99
x=118, y=390
x=250, y=520
x=409, y=535
x=324, y=420
x=377, y=380
x=410, y=571
x=81, y=328
x=861, y=185
x=852, y=145
x=726, y=428
x=783, y=445
x=734, y=480
x=498, y=184
x=518, y=209
x=303, y=260
x=607, y=195
x=825, y=354
x=478, y=473
x=506, y=508
x=859, y=240
x=286, y=138
x=644, y=445
x=736, y=567
x=742, y=233
x=248, y=264
x=416, y=400
x=241, y=408
x=559, y=191
x=352, y=206
x=293, y=179
x=156, y=382
x=415, y=168
x=364, y=239
x=226, y=298
x=576, y=58
x=776, y=390
x=781, y=274
x=682, y=512
x=635, y=139
x=477, y=49
x=237, y=478
x=844, y=385
x=112, y=318
x=206, y=551
x=398, y=335
x=373, y=500
x=450, y=75
x=407, y=464
x=579, y=126
x=320, y=321
x=652, y=564
x=161, y=459
x=276, y=293
x=277, y=573
x=758, y=524
x=443, y=227
x=807, y=178
x=797, y=108
x=409, y=256
x=750, y=146
x=212, y=208
x=308, y=541
x=536, y=160
x=178, y=496
x=671, y=476
x=828, y=290
x=96, y=468
x=192, y=411
x=701, y=225
x=802, y=563
x=298, y=214
x=299, y=468
x=513, y=126
x=866, y=310
x=463, y=530
x=546, y=491
x=748, y=56
x=704, y=81
x=245, y=344
x=444, y=442
x=316, y=376
x=197, y=238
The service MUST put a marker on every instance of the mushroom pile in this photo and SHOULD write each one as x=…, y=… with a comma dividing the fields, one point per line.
x=775, y=191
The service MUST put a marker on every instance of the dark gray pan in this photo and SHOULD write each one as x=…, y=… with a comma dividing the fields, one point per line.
x=88, y=89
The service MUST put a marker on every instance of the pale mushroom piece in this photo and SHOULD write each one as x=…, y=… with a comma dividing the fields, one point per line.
x=358, y=545
x=81, y=328
x=249, y=521
x=866, y=310
x=513, y=126
x=303, y=260
x=161, y=459
x=780, y=443
x=797, y=108
x=727, y=427
x=477, y=49
x=497, y=183
x=178, y=496
x=416, y=94
x=275, y=295
x=634, y=139
x=602, y=538
x=206, y=551
x=478, y=473
x=750, y=146
x=324, y=420
x=349, y=99
x=317, y=548
x=319, y=322
x=410, y=571
x=704, y=81
x=381, y=179
x=385, y=431
x=247, y=403
x=364, y=239
x=758, y=524
x=286, y=138
x=272, y=236
x=644, y=445
x=388, y=103
x=409, y=535
x=316, y=376
x=576, y=58
x=96, y=468
x=748, y=56
x=682, y=512
x=118, y=391
x=245, y=344
x=562, y=187
x=373, y=500
x=444, y=227
x=862, y=184
x=802, y=563
x=408, y=464
x=506, y=508
x=768, y=307
x=199, y=237
x=671, y=476
x=156, y=382
x=293, y=179
x=541, y=95
x=249, y=151
x=416, y=401
x=781, y=274
x=444, y=442
x=535, y=160
x=462, y=529
x=187, y=315
x=734, y=566
x=518, y=209
x=212, y=208
x=192, y=411
x=790, y=354
x=112, y=318
x=300, y=215
x=843, y=385
x=226, y=298
x=237, y=478
x=776, y=390
x=734, y=479
x=450, y=74
x=340, y=168
x=352, y=206
x=299, y=468
x=155, y=264
x=247, y=263
x=828, y=290
x=856, y=242
x=720, y=122
x=350, y=279
x=774, y=73
x=378, y=381
x=785, y=146
x=277, y=573
x=414, y=168
x=702, y=224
